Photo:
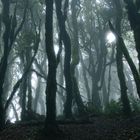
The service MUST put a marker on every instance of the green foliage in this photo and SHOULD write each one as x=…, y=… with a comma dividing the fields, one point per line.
x=92, y=109
x=60, y=117
x=135, y=104
x=113, y=108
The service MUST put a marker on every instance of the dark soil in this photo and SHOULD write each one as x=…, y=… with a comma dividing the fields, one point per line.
x=99, y=128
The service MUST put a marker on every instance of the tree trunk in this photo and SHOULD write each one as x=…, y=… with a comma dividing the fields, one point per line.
x=95, y=95
x=121, y=76
x=105, y=94
x=119, y=61
x=75, y=59
x=51, y=79
x=134, y=16
x=4, y=60
x=37, y=95
x=29, y=103
x=85, y=78
x=23, y=91
x=67, y=67
x=9, y=37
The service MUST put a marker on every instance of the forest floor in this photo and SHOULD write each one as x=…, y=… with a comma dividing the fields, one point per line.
x=99, y=128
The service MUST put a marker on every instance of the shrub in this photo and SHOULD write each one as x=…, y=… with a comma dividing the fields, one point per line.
x=92, y=109
x=135, y=104
x=113, y=108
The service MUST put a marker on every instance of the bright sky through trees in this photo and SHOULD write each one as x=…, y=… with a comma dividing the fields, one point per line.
x=110, y=37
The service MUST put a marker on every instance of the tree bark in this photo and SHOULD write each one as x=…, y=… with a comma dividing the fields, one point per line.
x=85, y=78
x=134, y=18
x=51, y=79
x=67, y=60
x=119, y=61
x=9, y=37
x=76, y=58
x=4, y=60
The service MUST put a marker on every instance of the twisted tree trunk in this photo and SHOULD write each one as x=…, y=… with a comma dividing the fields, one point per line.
x=52, y=65
x=67, y=66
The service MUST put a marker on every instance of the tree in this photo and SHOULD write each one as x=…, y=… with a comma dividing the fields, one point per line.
x=76, y=57
x=52, y=65
x=65, y=38
x=134, y=19
x=119, y=56
x=9, y=37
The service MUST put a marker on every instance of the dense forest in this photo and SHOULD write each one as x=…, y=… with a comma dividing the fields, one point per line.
x=69, y=64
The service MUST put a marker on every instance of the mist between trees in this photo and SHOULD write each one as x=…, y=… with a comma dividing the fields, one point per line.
x=62, y=59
